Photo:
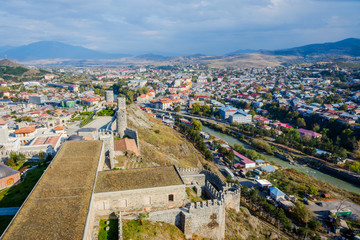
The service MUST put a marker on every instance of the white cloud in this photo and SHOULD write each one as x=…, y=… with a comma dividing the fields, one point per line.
x=208, y=26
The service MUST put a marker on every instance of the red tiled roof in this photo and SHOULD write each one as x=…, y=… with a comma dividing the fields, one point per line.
x=126, y=144
x=25, y=130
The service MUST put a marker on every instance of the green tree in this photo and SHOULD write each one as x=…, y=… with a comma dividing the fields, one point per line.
x=301, y=212
x=42, y=156
x=252, y=112
x=196, y=107
x=355, y=167
x=197, y=125
x=11, y=162
x=313, y=191
x=301, y=122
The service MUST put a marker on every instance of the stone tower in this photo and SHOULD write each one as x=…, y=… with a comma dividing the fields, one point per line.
x=121, y=123
x=4, y=132
x=109, y=96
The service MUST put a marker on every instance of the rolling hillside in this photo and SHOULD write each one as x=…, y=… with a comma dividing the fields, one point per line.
x=161, y=145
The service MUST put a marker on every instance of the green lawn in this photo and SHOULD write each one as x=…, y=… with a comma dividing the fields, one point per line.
x=16, y=195
x=112, y=233
x=144, y=229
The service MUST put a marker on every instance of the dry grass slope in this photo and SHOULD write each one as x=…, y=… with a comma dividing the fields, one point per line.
x=159, y=144
x=244, y=226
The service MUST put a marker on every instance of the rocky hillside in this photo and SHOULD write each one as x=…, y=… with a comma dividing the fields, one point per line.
x=242, y=225
x=161, y=145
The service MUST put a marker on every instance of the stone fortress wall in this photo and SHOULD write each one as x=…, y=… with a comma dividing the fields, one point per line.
x=206, y=218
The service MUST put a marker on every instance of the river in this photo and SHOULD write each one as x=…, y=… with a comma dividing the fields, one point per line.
x=307, y=170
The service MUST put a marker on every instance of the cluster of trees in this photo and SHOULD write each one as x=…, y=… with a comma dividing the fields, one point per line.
x=15, y=159
x=204, y=110
x=24, y=119
x=353, y=166
x=254, y=131
x=259, y=144
x=336, y=136
x=260, y=204
x=228, y=155
x=284, y=181
x=193, y=135
x=299, y=214
x=291, y=138
x=17, y=71
x=249, y=153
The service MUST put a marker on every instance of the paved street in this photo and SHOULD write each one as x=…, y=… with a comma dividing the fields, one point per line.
x=99, y=122
x=323, y=211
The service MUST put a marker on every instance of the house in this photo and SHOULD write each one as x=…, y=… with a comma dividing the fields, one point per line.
x=308, y=133
x=263, y=183
x=277, y=194
x=8, y=176
x=268, y=169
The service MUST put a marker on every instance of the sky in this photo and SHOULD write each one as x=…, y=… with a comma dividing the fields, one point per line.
x=212, y=27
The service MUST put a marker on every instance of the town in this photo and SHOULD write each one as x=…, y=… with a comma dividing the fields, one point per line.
x=287, y=138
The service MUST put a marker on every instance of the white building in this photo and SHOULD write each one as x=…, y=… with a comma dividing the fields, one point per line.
x=240, y=117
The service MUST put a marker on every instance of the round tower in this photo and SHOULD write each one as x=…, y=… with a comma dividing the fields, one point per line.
x=121, y=123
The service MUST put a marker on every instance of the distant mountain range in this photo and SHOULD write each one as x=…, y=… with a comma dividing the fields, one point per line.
x=70, y=54
x=348, y=47
x=53, y=50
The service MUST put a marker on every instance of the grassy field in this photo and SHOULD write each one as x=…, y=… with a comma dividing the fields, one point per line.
x=143, y=229
x=16, y=195
x=112, y=233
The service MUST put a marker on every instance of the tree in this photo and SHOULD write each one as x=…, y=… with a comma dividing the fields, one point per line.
x=11, y=162
x=355, y=167
x=252, y=112
x=42, y=156
x=301, y=212
x=301, y=122
x=197, y=125
x=196, y=107
x=313, y=191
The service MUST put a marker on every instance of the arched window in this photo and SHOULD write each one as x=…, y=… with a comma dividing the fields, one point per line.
x=171, y=197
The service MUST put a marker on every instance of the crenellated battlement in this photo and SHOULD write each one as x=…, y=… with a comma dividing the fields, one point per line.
x=214, y=179
x=205, y=204
x=214, y=191
x=189, y=171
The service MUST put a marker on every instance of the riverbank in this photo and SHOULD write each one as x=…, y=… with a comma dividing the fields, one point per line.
x=314, y=163
x=312, y=172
